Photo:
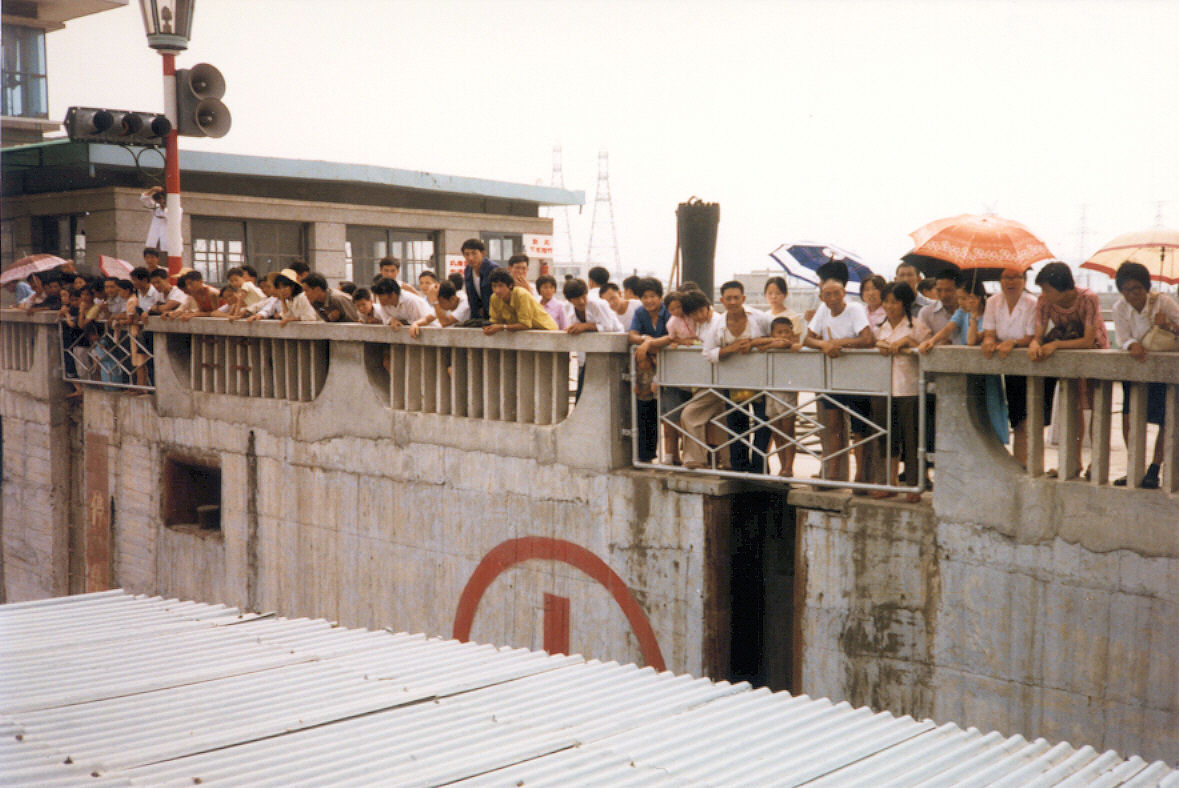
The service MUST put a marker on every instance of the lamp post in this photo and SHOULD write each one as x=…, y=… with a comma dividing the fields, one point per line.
x=168, y=24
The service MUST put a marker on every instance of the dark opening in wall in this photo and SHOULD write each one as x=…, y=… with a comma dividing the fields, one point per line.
x=192, y=493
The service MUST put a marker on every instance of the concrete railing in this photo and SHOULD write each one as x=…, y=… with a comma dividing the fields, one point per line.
x=17, y=343
x=30, y=353
x=979, y=481
x=460, y=386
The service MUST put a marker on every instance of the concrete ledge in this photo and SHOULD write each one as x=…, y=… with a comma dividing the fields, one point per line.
x=557, y=341
x=1091, y=364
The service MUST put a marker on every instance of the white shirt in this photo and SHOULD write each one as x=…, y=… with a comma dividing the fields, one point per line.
x=251, y=294
x=714, y=335
x=149, y=299
x=1010, y=324
x=409, y=308
x=597, y=312
x=1130, y=326
x=629, y=315
x=847, y=325
x=176, y=294
x=905, y=374
x=460, y=313
x=300, y=308
x=267, y=307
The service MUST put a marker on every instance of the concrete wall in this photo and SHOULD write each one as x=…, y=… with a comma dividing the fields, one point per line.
x=959, y=622
x=37, y=461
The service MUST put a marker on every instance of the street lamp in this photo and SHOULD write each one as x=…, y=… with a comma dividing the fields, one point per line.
x=168, y=24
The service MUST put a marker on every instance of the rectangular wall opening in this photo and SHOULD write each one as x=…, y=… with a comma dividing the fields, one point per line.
x=192, y=493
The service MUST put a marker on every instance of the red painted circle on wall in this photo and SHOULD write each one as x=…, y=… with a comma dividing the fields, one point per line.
x=514, y=551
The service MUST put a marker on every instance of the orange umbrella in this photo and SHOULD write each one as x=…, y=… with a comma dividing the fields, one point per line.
x=970, y=241
x=1156, y=249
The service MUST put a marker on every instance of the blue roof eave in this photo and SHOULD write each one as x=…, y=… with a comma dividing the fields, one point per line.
x=307, y=170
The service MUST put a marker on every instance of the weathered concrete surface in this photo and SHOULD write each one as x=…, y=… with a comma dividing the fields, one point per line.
x=373, y=532
x=35, y=501
x=979, y=482
x=960, y=622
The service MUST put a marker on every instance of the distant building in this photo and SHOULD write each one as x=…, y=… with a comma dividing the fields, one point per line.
x=79, y=200
x=25, y=97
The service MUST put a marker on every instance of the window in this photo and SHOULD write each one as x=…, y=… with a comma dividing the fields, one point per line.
x=217, y=246
x=275, y=245
x=500, y=247
x=221, y=244
x=365, y=246
x=26, y=90
x=64, y=236
x=192, y=493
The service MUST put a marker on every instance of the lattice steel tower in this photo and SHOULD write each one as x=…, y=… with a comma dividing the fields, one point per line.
x=562, y=226
x=603, y=245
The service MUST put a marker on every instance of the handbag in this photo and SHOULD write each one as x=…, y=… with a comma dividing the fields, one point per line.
x=1159, y=339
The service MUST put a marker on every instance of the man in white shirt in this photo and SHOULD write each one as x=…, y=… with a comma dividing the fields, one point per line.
x=148, y=297
x=908, y=273
x=450, y=309
x=624, y=308
x=171, y=296
x=396, y=307
x=586, y=315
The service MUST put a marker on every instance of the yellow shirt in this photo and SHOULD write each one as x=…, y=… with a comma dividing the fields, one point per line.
x=521, y=308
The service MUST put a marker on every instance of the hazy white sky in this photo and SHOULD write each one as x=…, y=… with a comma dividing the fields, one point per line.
x=847, y=122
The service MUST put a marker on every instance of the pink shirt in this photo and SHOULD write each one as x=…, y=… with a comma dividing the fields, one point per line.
x=1085, y=311
x=556, y=310
x=681, y=329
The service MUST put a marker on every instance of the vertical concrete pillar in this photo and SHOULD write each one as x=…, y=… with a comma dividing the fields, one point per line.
x=325, y=249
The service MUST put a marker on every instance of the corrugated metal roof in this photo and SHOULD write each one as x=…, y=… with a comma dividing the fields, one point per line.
x=112, y=689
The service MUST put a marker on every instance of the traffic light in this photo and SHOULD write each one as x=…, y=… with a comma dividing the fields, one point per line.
x=199, y=110
x=120, y=127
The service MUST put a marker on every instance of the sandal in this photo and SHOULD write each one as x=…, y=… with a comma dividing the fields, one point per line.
x=913, y=498
x=881, y=494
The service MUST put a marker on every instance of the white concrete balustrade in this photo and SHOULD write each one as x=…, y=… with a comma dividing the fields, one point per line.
x=16, y=345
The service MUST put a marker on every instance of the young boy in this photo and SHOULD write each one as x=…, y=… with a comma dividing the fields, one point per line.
x=362, y=299
x=514, y=308
x=782, y=336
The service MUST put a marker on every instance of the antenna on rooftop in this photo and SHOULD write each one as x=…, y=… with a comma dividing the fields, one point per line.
x=603, y=246
x=562, y=227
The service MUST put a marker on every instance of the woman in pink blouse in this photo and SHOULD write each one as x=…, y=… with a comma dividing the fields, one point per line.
x=1067, y=318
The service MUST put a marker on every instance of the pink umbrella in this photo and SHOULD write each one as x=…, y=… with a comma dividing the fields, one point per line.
x=113, y=266
x=33, y=264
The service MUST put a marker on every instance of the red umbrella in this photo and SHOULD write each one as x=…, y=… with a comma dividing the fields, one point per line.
x=33, y=264
x=113, y=266
x=970, y=241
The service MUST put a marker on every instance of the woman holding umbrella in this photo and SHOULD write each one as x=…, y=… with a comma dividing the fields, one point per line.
x=1135, y=314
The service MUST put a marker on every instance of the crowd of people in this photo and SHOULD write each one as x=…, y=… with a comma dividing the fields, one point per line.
x=906, y=315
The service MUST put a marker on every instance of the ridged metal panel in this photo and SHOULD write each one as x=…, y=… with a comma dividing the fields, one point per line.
x=146, y=691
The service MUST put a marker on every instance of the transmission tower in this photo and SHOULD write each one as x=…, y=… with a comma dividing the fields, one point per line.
x=603, y=245
x=562, y=227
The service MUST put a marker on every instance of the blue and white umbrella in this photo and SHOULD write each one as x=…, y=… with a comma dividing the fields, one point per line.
x=802, y=260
